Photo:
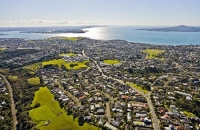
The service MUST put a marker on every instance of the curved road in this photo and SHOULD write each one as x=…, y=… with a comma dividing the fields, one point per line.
x=12, y=102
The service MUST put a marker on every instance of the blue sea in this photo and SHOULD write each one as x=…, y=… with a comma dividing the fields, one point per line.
x=127, y=33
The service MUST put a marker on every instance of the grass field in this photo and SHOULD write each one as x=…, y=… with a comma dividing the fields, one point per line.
x=68, y=54
x=68, y=38
x=1, y=49
x=60, y=62
x=50, y=110
x=33, y=67
x=137, y=87
x=71, y=38
x=34, y=81
x=12, y=77
x=153, y=53
x=189, y=114
x=112, y=62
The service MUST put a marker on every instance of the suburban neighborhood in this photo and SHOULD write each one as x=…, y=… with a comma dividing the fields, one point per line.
x=112, y=84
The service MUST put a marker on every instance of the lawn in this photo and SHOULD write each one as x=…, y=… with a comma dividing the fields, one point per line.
x=11, y=77
x=112, y=62
x=71, y=38
x=189, y=114
x=33, y=67
x=68, y=54
x=50, y=110
x=137, y=87
x=153, y=53
x=68, y=38
x=59, y=62
x=34, y=81
x=1, y=49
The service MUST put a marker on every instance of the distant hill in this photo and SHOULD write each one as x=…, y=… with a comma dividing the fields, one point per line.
x=181, y=28
x=3, y=34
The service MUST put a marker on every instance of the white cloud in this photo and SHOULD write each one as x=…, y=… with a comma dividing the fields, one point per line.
x=39, y=21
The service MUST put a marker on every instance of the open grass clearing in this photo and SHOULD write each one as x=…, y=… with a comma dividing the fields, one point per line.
x=33, y=67
x=67, y=38
x=12, y=77
x=59, y=62
x=153, y=53
x=111, y=62
x=189, y=114
x=34, y=81
x=2, y=49
x=68, y=54
x=137, y=87
x=71, y=38
x=50, y=110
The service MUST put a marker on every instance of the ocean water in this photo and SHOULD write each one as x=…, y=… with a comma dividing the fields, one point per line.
x=127, y=33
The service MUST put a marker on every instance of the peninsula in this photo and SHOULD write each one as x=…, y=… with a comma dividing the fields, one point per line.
x=181, y=28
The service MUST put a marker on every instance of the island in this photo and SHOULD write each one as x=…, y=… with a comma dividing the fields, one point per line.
x=181, y=28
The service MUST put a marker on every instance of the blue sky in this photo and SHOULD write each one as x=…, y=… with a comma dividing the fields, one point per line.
x=99, y=12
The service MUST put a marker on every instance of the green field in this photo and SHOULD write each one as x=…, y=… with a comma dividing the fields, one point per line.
x=50, y=110
x=68, y=54
x=1, y=49
x=67, y=38
x=137, y=87
x=60, y=62
x=12, y=77
x=33, y=67
x=189, y=114
x=153, y=53
x=34, y=81
x=111, y=62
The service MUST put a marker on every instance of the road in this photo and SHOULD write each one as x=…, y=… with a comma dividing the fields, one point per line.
x=13, y=110
x=68, y=93
x=155, y=120
x=108, y=114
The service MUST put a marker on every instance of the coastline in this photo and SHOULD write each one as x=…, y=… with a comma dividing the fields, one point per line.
x=127, y=33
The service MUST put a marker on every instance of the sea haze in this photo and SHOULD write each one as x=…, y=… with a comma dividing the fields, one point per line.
x=128, y=33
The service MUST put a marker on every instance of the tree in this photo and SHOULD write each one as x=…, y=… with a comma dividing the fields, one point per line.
x=81, y=120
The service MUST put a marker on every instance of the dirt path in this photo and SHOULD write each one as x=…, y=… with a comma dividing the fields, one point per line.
x=12, y=102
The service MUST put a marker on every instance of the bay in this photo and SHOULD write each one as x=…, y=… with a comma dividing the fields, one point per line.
x=128, y=33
